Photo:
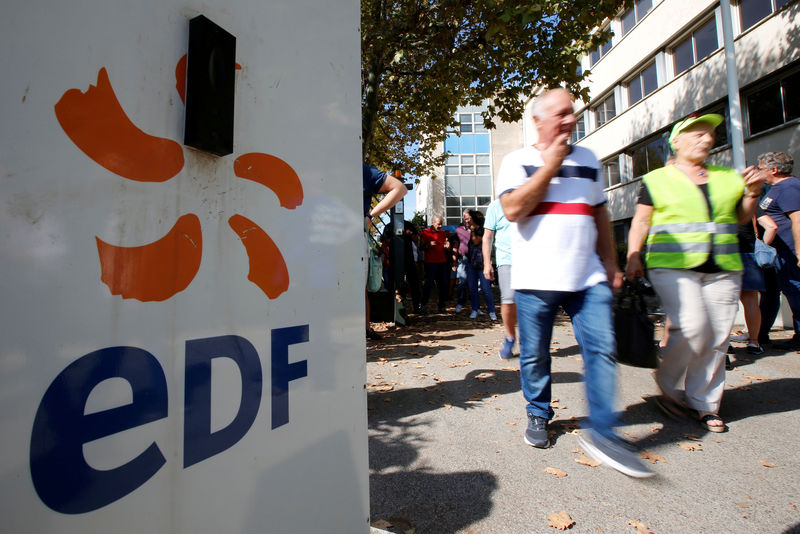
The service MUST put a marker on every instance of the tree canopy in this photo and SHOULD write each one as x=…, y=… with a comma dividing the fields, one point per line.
x=422, y=59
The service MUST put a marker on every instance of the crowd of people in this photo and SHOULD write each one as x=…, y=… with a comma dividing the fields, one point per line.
x=447, y=261
x=694, y=235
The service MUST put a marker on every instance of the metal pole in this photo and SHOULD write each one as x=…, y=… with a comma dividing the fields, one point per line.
x=734, y=105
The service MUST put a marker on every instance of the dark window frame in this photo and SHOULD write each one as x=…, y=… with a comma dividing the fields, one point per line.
x=640, y=79
x=789, y=109
x=601, y=108
x=691, y=38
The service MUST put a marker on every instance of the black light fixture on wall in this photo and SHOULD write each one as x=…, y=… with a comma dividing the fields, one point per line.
x=210, y=77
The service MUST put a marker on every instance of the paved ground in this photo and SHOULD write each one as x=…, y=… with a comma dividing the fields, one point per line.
x=446, y=420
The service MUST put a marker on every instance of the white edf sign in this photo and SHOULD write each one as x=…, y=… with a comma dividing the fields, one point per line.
x=181, y=344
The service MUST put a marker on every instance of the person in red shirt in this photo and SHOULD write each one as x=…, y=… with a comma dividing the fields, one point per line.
x=435, y=245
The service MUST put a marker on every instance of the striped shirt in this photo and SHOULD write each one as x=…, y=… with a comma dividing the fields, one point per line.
x=555, y=246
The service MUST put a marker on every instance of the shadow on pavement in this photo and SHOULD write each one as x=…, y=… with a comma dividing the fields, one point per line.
x=420, y=499
x=738, y=403
x=431, y=502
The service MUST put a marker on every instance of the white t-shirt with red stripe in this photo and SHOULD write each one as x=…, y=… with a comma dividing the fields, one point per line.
x=555, y=247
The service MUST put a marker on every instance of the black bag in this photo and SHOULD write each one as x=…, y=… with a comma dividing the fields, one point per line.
x=633, y=327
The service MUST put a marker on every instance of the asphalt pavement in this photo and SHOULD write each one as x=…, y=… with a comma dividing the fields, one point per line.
x=446, y=420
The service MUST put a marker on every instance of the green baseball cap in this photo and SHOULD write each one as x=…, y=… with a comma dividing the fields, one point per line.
x=709, y=118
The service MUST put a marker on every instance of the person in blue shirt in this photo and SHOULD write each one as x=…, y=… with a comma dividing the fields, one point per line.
x=376, y=181
x=782, y=205
x=496, y=231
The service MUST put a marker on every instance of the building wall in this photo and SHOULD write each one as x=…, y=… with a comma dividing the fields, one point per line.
x=767, y=47
x=761, y=50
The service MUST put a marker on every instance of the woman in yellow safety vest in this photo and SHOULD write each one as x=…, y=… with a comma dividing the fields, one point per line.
x=688, y=213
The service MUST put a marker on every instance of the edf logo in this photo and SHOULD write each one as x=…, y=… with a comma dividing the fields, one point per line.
x=67, y=483
x=97, y=124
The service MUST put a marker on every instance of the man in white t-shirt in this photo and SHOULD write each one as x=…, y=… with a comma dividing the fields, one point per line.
x=563, y=255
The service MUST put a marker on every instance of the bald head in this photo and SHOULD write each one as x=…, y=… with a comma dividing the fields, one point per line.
x=553, y=115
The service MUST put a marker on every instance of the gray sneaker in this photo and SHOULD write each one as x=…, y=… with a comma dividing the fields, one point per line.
x=536, y=434
x=615, y=453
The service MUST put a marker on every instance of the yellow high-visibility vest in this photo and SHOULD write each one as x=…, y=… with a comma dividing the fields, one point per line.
x=682, y=232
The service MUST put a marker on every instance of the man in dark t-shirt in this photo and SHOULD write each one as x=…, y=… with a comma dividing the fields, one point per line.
x=782, y=205
x=376, y=181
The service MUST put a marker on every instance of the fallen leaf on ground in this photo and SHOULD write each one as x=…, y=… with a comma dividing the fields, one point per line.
x=384, y=388
x=767, y=464
x=743, y=504
x=509, y=369
x=484, y=375
x=460, y=364
x=641, y=528
x=448, y=406
x=381, y=524
x=561, y=520
x=692, y=437
x=755, y=377
x=558, y=473
x=475, y=398
x=652, y=457
x=689, y=446
x=512, y=423
x=585, y=460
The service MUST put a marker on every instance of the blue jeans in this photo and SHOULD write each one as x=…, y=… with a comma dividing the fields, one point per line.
x=590, y=311
x=473, y=277
x=461, y=287
x=789, y=282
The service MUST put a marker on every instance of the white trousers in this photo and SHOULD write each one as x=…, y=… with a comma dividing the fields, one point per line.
x=701, y=308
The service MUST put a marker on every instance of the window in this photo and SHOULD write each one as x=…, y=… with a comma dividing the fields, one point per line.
x=597, y=53
x=643, y=84
x=698, y=45
x=774, y=104
x=648, y=156
x=752, y=11
x=635, y=14
x=611, y=171
x=604, y=111
x=580, y=129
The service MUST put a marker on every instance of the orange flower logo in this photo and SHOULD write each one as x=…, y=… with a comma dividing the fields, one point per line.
x=95, y=121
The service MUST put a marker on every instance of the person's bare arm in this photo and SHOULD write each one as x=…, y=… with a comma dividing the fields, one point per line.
x=394, y=191
x=605, y=247
x=521, y=201
x=640, y=226
x=770, y=228
x=488, y=241
x=754, y=184
x=795, y=218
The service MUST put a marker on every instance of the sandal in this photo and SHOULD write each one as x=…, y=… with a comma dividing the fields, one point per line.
x=671, y=408
x=707, y=418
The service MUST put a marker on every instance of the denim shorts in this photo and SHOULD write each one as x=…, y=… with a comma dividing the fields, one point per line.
x=753, y=277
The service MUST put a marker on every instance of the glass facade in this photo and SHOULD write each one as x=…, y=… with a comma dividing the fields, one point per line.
x=468, y=171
